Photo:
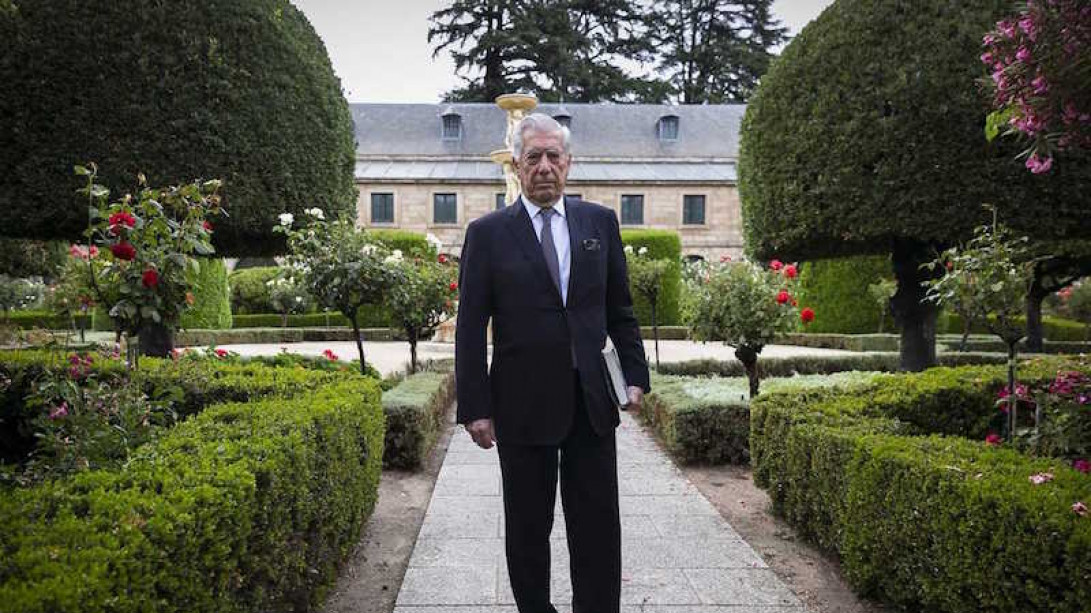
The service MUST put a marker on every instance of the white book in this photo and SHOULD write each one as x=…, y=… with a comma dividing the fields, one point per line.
x=615, y=378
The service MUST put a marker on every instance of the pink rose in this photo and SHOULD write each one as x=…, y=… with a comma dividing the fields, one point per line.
x=1037, y=165
x=1079, y=508
x=1082, y=465
x=993, y=440
x=59, y=412
x=1023, y=55
x=1041, y=478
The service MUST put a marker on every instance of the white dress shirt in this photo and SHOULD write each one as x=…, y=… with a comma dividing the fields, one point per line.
x=559, y=226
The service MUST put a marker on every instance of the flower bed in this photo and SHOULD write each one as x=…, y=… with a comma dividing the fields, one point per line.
x=256, y=336
x=415, y=413
x=701, y=420
x=245, y=506
x=945, y=342
x=920, y=516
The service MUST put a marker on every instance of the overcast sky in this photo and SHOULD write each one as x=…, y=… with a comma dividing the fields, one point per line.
x=380, y=49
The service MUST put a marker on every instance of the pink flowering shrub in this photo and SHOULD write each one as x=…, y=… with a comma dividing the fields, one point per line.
x=1039, y=62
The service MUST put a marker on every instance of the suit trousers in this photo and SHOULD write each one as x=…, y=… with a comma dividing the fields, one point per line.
x=589, y=496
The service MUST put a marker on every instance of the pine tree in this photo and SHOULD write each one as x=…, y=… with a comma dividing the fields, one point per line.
x=713, y=50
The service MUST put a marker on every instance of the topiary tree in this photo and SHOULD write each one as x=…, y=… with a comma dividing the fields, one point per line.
x=646, y=276
x=251, y=289
x=424, y=298
x=240, y=90
x=865, y=137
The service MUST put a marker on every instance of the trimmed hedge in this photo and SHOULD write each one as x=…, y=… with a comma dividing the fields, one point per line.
x=29, y=319
x=837, y=289
x=945, y=342
x=921, y=517
x=277, y=130
x=415, y=410
x=1053, y=328
x=411, y=244
x=817, y=364
x=250, y=336
x=212, y=301
x=249, y=293
x=244, y=507
x=662, y=245
x=367, y=318
x=703, y=420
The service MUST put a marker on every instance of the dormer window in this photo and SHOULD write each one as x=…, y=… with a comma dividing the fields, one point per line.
x=563, y=117
x=668, y=128
x=452, y=125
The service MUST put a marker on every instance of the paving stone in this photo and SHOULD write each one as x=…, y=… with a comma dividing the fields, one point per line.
x=468, y=505
x=447, y=586
x=460, y=525
x=706, y=609
x=473, y=471
x=656, y=486
x=681, y=526
x=448, y=552
x=455, y=609
x=666, y=505
x=456, y=458
x=759, y=587
x=452, y=486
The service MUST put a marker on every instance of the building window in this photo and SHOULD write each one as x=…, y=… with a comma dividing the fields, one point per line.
x=445, y=208
x=668, y=128
x=452, y=126
x=632, y=210
x=564, y=120
x=382, y=208
x=693, y=210
x=501, y=201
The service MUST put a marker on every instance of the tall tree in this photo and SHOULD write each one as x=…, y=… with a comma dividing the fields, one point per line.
x=556, y=49
x=713, y=50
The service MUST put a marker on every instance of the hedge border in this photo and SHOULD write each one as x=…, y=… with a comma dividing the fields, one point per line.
x=416, y=411
x=921, y=517
x=261, y=499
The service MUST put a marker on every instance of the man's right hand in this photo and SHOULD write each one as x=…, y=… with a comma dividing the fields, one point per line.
x=481, y=431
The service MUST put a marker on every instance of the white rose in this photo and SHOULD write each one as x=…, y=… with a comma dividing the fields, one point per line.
x=398, y=253
x=433, y=240
x=628, y=248
x=368, y=249
x=286, y=219
x=299, y=298
x=642, y=251
x=316, y=213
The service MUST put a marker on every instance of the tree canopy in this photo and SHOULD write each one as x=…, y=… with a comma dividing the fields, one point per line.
x=615, y=50
x=241, y=91
x=868, y=129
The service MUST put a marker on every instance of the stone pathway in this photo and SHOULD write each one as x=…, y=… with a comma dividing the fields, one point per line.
x=678, y=554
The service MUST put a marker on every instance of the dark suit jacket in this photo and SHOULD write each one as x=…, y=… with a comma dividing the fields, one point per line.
x=528, y=390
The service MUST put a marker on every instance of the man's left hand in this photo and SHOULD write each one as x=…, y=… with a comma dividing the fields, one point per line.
x=636, y=398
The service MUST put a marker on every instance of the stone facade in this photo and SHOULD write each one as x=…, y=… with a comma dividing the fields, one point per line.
x=720, y=235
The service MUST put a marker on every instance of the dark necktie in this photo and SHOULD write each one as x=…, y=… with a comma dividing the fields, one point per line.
x=549, y=250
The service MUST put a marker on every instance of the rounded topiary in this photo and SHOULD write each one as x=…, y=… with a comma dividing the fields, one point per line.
x=866, y=137
x=837, y=289
x=242, y=91
x=666, y=245
x=250, y=293
x=211, y=297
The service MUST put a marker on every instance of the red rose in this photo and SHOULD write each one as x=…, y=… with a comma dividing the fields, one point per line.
x=150, y=278
x=207, y=225
x=120, y=220
x=221, y=353
x=442, y=259
x=123, y=251
x=993, y=440
x=453, y=286
x=807, y=315
x=790, y=271
x=950, y=266
x=776, y=265
x=1082, y=465
x=783, y=297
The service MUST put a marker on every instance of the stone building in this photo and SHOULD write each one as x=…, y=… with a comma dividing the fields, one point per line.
x=426, y=167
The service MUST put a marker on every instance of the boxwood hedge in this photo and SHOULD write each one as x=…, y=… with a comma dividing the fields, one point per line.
x=211, y=298
x=920, y=516
x=247, y=506
x=817, y=364
x=837, y=289
x=415, y=414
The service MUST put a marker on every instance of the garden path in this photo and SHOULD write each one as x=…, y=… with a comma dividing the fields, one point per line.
x=679, y=555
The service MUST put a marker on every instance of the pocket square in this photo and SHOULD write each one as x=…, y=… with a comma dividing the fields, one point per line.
x=591, y=244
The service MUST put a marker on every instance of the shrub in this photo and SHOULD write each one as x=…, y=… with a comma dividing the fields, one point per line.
x=708, y=420
x=880, y=361
x=838, y=289
x=415, y=415
x=279, y=129
x=211, y=303
x=661, y=245
x=1055, y=328
x=919, y=516
x=370, y=317
x=30, y=258
x=249, y=292
x=248, y=506
x=411, y=244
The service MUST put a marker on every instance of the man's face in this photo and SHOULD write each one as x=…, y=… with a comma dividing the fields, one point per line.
x=543, y=166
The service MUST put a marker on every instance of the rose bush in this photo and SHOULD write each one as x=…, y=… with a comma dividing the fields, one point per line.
x=425, y=297
x=746, y=306
x=646, y=276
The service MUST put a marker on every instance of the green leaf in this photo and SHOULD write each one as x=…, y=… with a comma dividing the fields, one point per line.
x=81, y=170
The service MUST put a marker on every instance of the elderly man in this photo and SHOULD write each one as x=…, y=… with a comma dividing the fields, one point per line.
x=550, y=272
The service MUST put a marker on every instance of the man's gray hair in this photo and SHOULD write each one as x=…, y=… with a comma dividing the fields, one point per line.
x=539, y=122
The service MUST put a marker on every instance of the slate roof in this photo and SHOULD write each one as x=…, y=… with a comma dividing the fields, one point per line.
x=705, y=132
